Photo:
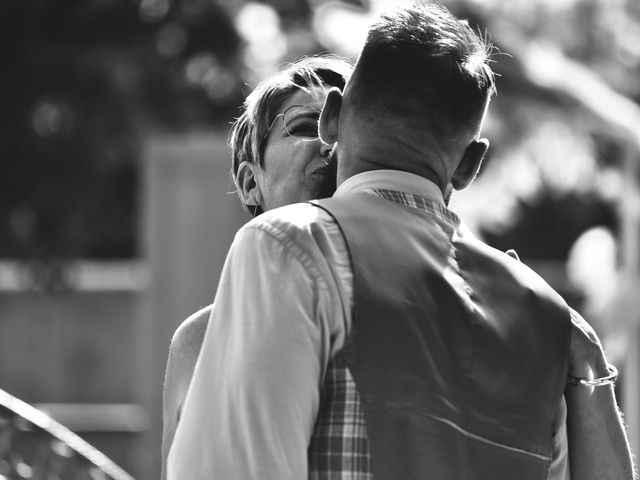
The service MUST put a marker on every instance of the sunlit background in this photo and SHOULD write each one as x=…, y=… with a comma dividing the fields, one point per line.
x=117, y=210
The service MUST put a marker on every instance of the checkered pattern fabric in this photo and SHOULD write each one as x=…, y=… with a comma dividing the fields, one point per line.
x=416, y=201
x=339, y=448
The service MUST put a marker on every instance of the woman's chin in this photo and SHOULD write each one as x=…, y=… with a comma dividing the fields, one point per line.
x=324, y=184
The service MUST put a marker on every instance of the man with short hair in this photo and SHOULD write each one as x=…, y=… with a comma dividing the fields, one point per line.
x=377, y=337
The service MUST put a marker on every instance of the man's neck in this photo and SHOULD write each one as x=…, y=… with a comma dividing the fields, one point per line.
x=386, y=156
x=380, y=144
x=391, y=180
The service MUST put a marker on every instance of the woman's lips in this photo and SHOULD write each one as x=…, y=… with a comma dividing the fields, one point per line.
x=326, y=165
x=326, y=176
x=322, y=169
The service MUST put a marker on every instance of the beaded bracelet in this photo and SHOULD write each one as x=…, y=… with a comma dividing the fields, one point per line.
x=596, y=382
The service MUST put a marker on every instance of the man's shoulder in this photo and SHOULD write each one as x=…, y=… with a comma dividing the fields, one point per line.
x=294, y=219
x=303, y=229
x=519, y=272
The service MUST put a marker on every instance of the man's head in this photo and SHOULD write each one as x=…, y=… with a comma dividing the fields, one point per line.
x=276, y=153
x=416, y=99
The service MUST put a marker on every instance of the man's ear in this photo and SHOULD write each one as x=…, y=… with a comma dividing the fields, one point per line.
x=248, y=187
x=328, y=123
x=470, y=164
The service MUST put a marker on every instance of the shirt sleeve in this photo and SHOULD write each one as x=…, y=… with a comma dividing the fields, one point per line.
x=251, y=405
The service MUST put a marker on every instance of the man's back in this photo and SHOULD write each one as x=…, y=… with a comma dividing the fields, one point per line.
x=262, y=404
x=459, y=353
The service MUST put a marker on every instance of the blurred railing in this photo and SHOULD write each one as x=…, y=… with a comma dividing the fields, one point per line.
x=36, y=447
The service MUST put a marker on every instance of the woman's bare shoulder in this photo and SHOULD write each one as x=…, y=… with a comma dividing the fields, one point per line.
x=188, y=336
x=183, y=355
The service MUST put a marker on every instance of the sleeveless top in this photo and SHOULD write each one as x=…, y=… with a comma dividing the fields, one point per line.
x=456, y=360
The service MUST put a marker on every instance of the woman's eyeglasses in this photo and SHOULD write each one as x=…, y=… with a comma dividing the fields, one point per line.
x=300, y=121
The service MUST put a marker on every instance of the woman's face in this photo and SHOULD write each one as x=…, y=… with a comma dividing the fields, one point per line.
x=296, y=167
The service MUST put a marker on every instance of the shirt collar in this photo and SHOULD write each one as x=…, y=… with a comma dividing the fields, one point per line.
x=391, y=180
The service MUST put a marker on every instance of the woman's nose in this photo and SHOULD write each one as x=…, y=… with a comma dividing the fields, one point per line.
x=325, y=149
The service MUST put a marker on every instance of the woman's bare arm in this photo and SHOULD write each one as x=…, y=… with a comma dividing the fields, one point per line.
x=598, y=445
x=183, y=354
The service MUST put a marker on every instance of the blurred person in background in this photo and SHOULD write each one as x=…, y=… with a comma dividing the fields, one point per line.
x=277, y=159
x=283, y=381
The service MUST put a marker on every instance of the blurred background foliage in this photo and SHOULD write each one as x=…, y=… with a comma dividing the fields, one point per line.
x=85, y=81
x=557, y=165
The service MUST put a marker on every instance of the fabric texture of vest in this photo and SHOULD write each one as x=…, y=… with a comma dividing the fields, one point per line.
x=459, y=353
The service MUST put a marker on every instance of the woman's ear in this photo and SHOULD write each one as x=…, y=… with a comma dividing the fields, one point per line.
x=328, y=123
x=470, y=164
x=249, y=189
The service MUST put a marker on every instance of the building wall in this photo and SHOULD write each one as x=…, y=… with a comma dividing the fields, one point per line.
x=106, y=341
x=74, y=347
x=190, y=218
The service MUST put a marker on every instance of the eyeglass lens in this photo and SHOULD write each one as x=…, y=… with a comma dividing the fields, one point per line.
x=302, y=122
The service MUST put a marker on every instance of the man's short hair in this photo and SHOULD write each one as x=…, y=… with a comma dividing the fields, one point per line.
x=425, y=65
x=247, y=137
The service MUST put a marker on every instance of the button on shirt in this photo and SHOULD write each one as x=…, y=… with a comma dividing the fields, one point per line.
x=282, y=310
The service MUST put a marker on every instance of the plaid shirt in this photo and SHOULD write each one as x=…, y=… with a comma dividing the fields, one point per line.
x=339, y=447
